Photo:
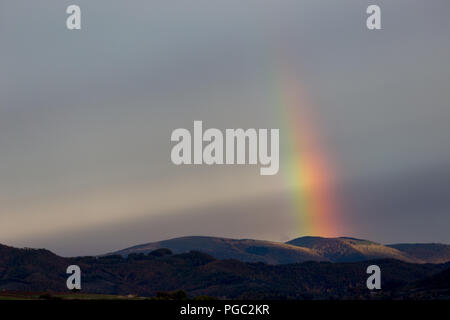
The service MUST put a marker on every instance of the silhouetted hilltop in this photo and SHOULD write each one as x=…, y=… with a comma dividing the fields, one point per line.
x=31, y=269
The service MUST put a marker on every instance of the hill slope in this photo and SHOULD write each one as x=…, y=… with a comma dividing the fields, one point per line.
x=429, y=252
x=31, y=269
x=246, y=250
x=350, y=249
x=302, y=249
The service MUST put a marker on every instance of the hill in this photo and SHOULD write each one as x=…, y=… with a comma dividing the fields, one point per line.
x=31, y=269
x=302, y=249
x=199, y=274
x=429, y=252
x=246, y=250
x=346, y=249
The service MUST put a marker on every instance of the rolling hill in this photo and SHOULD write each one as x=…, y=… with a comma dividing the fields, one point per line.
x=31, y=269
x=350, y=249
x=429, y=252
x=302, y=249
x=223, y=248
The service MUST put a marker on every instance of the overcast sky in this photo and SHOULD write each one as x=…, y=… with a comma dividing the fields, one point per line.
x=86, y=118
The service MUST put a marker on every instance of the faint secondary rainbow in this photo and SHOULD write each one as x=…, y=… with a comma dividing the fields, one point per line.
x=310, y=175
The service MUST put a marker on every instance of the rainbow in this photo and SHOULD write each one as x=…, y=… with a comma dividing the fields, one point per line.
x=309, y=176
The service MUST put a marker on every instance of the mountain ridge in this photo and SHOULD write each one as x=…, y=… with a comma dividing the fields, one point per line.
x=308, y=248
x=247, y=250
